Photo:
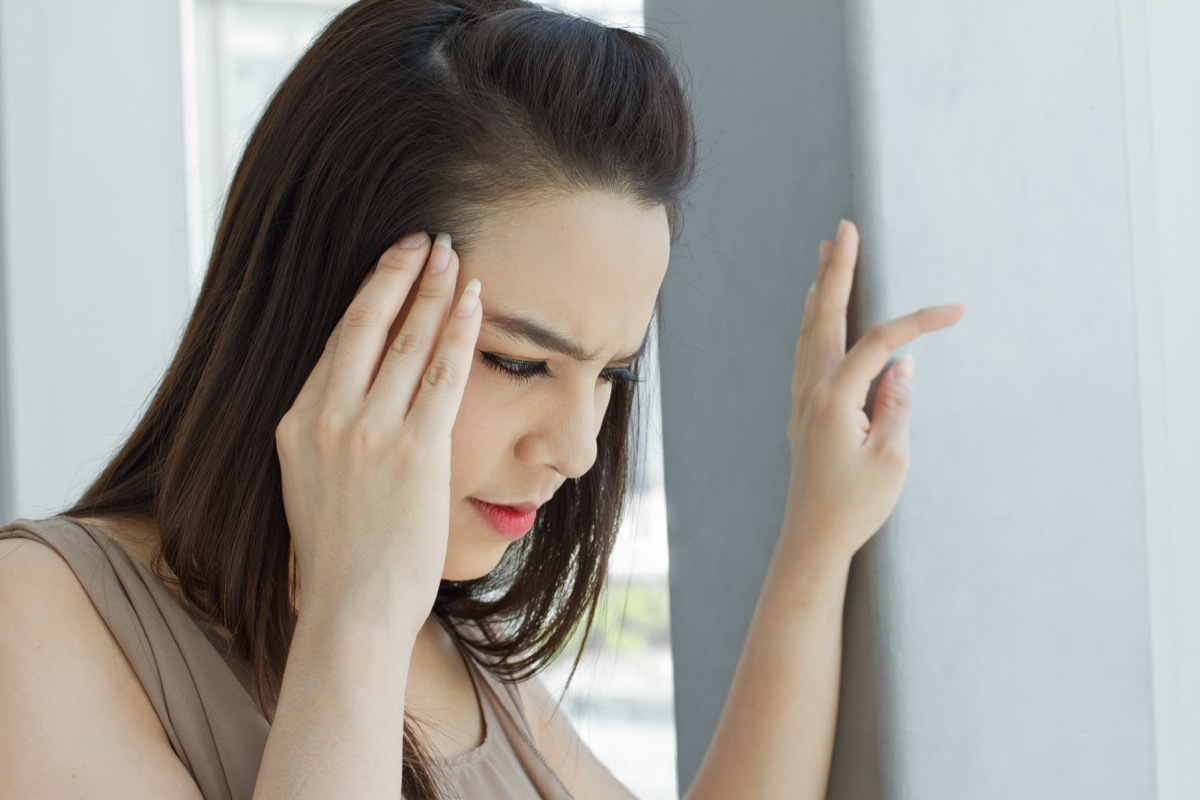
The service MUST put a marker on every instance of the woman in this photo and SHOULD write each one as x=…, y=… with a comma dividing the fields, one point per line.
x=366, y=506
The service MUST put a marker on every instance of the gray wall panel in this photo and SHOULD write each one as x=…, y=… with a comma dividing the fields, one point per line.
x=775, y=183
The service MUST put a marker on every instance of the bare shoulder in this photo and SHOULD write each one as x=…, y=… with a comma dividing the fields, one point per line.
x=564, y=750
x=74, y=719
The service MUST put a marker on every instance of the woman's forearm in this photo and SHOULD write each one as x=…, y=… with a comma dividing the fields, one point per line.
x=775, y=735
x=338, y=729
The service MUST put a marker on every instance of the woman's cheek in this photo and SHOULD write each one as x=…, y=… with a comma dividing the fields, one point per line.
x=474, y=404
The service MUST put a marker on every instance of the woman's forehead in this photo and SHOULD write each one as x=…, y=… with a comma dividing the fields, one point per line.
x=586, y=266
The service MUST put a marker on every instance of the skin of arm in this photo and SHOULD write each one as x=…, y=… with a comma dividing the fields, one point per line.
x=776, y=732
x=74, y=719
x=338, y=729
x=762, y=748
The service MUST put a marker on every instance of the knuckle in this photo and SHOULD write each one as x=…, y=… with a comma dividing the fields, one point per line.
x=399, y=260
x=442, y=373
x=829, y=310
x=327, y=426
x=460, y=334
x=891, y=452
x=409, y=451
x=431, y=291
x=285, y=431
x=822, y=398
x=881, y=335
x=407, y=344
x=894, y=399
x=362, y=316
x=366, y=436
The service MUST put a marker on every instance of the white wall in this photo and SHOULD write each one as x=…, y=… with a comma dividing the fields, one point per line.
x=94, y=231
x=1162, y=75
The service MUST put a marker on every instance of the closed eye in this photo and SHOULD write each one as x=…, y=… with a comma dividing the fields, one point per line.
x=524, y=371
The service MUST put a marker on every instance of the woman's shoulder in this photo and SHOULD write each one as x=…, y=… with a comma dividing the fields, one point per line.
x=50, y=574
x=41, y=528
x=73, y=536
x=43, y=555
x=29, y=561
x=113, y=559
x=70, y=700
x=40, y=590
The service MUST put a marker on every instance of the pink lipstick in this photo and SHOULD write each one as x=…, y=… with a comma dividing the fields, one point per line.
x=508, y=522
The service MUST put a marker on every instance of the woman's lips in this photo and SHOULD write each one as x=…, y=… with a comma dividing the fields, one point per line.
x=509, y=522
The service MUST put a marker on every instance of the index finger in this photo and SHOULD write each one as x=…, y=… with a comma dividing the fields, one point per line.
x=834, y=284
x=853, y=376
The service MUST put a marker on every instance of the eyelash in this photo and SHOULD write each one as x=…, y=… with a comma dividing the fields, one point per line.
x=524, y=371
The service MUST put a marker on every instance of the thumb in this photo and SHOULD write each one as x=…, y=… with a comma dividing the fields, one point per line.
x=893, y=406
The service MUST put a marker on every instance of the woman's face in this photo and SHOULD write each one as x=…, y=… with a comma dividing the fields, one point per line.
x=585, y=267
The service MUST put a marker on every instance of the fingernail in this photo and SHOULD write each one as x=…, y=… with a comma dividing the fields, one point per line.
x=841, y=227
x=413, y=240
x=470, y=299
x=812, y=288
x=906, y=368
x=439, y=257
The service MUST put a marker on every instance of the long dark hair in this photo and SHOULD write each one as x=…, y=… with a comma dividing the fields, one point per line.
x=403, y=115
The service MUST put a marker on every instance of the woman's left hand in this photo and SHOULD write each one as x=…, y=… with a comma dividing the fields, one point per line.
x=847, y=471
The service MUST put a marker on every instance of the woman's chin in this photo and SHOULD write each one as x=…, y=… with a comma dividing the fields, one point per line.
x=471, y=567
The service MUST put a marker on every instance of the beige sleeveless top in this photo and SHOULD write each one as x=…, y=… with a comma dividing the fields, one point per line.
x=203, y=697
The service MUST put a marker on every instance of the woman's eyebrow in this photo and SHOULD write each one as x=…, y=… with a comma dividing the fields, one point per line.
x=523, y=329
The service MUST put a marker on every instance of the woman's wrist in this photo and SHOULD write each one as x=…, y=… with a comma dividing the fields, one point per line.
x=387, y=613
x=821, y=540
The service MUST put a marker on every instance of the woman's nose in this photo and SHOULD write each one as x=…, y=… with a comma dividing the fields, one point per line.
x=563, y=435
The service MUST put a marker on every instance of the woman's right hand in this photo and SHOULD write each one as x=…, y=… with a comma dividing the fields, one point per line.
x=364, y=451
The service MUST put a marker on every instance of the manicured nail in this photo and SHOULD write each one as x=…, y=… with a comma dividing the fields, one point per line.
x=439, y=257
x=906, y=368
x=470, y=299
x=413, y=240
